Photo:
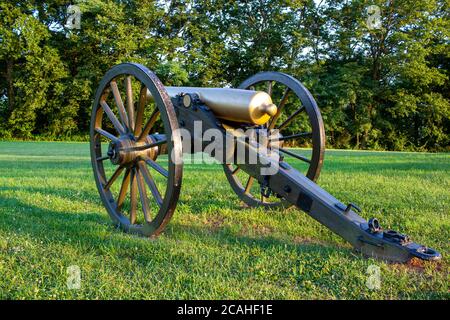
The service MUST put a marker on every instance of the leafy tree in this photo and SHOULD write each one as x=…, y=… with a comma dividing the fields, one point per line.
x=385, y=87
x=33, y=68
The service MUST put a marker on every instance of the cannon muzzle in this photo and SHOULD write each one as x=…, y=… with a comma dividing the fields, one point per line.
x=237, y=105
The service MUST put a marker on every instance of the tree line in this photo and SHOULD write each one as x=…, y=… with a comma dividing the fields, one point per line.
x=379, y=70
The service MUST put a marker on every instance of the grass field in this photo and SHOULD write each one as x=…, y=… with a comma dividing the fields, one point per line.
x=51, y=218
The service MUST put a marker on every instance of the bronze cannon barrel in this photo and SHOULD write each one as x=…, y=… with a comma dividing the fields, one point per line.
x=238, y=105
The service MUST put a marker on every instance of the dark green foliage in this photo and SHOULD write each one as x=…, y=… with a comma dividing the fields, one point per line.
x=385, y=88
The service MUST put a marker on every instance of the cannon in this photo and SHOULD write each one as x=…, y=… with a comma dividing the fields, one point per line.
x=140, y=130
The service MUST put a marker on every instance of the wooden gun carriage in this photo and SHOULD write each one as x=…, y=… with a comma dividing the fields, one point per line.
x=142, y=138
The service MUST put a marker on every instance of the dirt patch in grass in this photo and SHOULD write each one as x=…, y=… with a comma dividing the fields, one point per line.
x=214, y=222
x=308, y=241
x=255, y=229
x=420, y=266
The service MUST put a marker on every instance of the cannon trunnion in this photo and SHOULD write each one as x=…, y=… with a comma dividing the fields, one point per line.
x=137, y=146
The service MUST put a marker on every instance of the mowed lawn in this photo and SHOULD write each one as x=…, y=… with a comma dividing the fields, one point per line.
x=51, y=218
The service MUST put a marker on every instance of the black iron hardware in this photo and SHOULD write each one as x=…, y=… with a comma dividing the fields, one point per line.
x=374, y=225
x=397, y=237
x=264, y=187
x=347, y=208
x=426, y=253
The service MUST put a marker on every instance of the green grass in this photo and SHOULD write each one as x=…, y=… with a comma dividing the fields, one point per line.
x=51, y=218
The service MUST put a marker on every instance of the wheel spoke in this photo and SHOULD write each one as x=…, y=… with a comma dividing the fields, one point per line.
x=236, y=170
x=112, y=117
x=269, y=87
x=106, y=134
x=291, y=117
x=294, y=136
x=113, y=178
x=102, y=158
x=123, y=189
x=157, y=167
x=249, y=184
x=143, y=195
x=133, y=196
x=146, y=146
x=280, y=106
x=130, y=103
x=150, y=182
x=140, y=110
x=119, y=103
x=149, y=125
x=295, y=155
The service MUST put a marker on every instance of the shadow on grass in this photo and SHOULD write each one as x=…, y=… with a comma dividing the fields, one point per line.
x=93, y=232
x=69, y=194
x=194, y=201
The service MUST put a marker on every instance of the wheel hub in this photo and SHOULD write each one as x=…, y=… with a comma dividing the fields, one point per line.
x=126, y=150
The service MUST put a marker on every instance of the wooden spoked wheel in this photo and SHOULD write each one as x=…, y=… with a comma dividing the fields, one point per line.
x=299, y=123
x=136, y=149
